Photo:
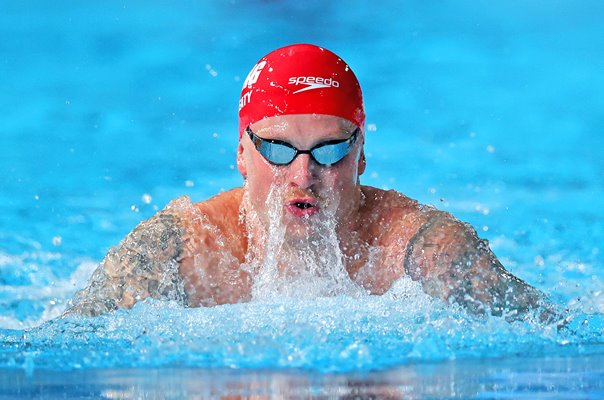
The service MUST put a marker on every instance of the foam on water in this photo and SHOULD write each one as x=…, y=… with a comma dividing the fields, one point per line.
x=31, y=292
x=338, y=333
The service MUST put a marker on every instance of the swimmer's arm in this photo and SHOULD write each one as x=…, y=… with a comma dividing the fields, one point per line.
x=145, y=264
x=454, y=264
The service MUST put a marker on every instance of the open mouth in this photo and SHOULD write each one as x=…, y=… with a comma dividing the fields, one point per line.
x=302, y=207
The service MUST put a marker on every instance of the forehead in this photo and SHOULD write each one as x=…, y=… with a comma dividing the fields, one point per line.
x=304, y=128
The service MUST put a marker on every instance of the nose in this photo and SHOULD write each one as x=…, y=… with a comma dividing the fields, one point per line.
x=303, y=171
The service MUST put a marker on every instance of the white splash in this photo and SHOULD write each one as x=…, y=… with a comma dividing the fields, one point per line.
x=302, y=265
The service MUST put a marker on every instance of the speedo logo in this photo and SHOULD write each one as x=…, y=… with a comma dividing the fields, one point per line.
x=312, y=82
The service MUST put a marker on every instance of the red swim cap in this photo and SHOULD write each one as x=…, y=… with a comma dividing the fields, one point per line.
x=300, y=79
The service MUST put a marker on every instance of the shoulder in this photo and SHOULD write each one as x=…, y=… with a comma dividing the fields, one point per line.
x=396, y=207
x=397, y=216
x=219, y=214
x=387, y=205
x=408, y=224
x=223, y=206
x=213, y=226
x=181, y=221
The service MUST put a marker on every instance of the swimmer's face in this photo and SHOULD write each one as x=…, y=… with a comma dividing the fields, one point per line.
x=306, y=189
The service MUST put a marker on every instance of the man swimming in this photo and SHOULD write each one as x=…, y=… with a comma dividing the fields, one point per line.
x=302, y=214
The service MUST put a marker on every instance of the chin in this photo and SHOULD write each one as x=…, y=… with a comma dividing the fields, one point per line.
x=315, y=225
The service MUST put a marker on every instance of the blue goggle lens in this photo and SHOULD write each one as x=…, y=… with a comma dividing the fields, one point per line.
x=282, y=153
x=276, y=153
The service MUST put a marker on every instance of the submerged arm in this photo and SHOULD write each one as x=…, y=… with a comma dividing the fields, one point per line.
x=454, y=264
x=145, y=264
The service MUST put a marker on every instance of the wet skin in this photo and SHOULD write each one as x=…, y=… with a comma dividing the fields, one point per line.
x=194, y=253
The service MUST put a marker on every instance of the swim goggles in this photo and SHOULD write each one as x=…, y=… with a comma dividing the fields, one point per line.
x=326, y=153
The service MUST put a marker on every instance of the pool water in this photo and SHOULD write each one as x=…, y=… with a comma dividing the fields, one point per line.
x=492, y=111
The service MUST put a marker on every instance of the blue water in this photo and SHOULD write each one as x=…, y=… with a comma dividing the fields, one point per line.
x=489, y=110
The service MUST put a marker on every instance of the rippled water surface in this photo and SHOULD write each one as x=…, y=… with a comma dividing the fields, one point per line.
x=490, y=111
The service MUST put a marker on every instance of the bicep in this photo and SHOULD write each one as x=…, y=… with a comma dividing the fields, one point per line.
x=454, y=264
x=145, y=264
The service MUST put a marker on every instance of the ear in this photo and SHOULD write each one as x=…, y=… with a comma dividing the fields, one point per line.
x=362, y=162
x=241, y=160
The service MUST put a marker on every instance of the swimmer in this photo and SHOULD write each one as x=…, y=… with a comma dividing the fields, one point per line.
x=300, y=153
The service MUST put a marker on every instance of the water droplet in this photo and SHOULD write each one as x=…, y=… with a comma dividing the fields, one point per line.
x=146, y=198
